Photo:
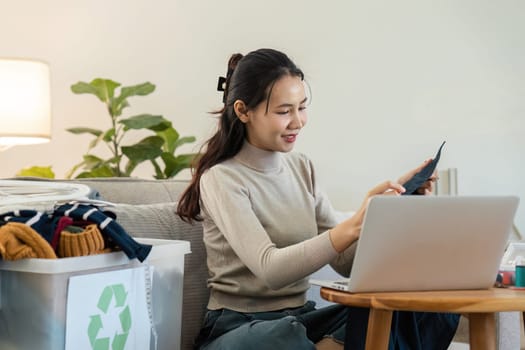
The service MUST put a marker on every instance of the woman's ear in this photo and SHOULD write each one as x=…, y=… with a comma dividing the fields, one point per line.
x=241, y=111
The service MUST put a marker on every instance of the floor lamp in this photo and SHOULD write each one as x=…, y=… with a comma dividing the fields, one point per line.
x=25, y=102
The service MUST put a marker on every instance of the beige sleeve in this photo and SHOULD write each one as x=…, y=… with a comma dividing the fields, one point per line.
x=327, y=218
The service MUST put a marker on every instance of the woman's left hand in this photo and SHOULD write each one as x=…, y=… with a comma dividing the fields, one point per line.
x=428, y=186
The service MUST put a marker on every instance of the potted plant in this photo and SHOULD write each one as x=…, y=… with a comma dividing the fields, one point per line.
x=159, y=147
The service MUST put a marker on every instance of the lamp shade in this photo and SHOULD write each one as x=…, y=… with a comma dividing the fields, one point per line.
x=25, y=102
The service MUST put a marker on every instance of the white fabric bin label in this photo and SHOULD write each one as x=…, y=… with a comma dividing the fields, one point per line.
x=108, y=311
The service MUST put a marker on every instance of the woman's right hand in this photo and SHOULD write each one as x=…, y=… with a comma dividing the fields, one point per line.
x=348, y=231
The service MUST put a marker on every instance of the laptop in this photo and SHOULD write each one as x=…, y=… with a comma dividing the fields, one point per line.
x=418, y=243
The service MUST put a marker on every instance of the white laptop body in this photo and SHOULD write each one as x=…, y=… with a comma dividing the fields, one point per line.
x=418, y=243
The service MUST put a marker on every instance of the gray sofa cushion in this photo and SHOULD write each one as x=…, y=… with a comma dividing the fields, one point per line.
x=160, y=221
x=136, y=191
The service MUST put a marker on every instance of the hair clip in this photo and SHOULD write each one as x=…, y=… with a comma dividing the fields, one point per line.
x=221, y=85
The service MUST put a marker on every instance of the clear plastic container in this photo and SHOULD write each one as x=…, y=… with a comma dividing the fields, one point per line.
x=33, y=295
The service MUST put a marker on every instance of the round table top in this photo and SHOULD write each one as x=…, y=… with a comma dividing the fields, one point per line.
x=458, y=301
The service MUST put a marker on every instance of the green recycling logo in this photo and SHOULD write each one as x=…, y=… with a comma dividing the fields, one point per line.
x=112, y=300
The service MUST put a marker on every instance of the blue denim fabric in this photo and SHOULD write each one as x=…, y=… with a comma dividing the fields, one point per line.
x=409, y=331
x=300, y=328
x=297, y=328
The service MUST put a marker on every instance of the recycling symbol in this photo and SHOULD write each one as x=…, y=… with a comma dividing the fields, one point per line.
x=111, y=303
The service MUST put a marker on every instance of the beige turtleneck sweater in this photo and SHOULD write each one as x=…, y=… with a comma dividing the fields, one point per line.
x=266, y=230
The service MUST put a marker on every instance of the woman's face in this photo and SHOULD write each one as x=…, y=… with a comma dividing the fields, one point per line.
x=275, y=124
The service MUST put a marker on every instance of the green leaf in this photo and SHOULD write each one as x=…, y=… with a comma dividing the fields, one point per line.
x=84, y=130
x=158, y=171
x=104, y=89
x=170, y=136
x=166, y=124
x=136, y=90
x=108, y=135
x=173, y=165
x=118, y=106
x=104, y=171
x=183, y=140
x=147, y=149
x=170, y=163
x=74, y=169
x=91, y=161
x=120, y=102
x=37, y=171
x=130, y=166
x=145, y=121
x=84, y=88
x=113, y=160
x=94, y=142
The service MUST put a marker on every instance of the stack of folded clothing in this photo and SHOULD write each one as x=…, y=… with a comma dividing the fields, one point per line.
x=72, y=229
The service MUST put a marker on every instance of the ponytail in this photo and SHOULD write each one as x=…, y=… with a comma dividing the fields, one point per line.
x=247, y=79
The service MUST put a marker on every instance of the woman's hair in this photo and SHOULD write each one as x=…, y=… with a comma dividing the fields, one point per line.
x=249, y=79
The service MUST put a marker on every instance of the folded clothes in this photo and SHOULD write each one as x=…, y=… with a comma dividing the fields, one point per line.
x=19, y=241
x=50, y=226
x=113, y=232
x=42, y=222
x=88, y=241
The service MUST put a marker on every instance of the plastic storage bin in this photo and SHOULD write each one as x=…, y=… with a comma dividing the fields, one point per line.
x=33, y=295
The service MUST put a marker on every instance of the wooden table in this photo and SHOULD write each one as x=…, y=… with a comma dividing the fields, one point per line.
x=479, y=306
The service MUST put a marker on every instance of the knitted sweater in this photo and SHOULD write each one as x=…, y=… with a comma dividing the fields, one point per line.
x=266, y=228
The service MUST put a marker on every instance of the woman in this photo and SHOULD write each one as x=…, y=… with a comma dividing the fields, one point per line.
x=267, y=226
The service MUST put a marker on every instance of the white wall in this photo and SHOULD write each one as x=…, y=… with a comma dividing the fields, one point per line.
x=390, y=79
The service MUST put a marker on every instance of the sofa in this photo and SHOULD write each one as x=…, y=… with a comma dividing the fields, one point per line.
x=145, y=208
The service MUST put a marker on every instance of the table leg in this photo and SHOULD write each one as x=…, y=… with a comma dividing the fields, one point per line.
x=482, y=331
x=378, y=332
